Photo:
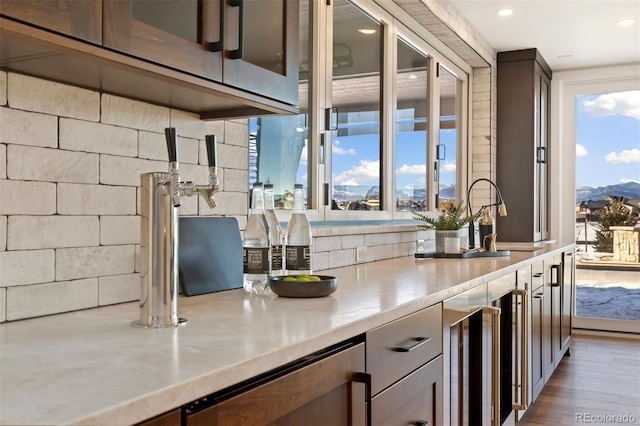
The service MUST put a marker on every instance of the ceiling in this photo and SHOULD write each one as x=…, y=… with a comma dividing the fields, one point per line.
x=569, y=34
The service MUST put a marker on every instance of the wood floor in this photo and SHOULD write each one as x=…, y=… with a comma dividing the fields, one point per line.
x=600, y=378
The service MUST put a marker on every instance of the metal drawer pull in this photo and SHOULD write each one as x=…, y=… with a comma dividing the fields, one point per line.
x=420, y=423
x=366, y=379
x=538, y=274
x=538, y=296
x=419, y=341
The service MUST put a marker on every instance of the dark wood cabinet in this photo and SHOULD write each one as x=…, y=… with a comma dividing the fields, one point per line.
x=540, y=336
x=218, y=58
x=81, y=19
x=414, y=400
x=523, y=89
x=404, y=359
x=325, y=392
x=251, y=45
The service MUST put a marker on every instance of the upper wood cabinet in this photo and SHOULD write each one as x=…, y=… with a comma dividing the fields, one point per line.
x=218, y=58
x=81, y=19
x=245, y=44
x=523, y=144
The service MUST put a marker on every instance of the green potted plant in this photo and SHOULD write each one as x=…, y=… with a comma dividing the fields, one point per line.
x=451, y=222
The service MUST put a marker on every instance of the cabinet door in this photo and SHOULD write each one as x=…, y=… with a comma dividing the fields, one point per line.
x=320, y=394
x=538, y=334
x=76, y=18
x=568, y=273
x=183, y=34
x=551, y=315
x=541, y=137
x=414, y=400
x=261, y=47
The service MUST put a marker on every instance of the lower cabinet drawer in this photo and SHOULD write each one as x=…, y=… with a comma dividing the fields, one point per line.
x=400, y=347
x=414, y=400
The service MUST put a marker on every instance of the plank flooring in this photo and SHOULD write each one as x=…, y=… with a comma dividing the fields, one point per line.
x=600, y=378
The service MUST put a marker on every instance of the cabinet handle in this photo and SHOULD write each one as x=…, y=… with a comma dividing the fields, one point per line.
x=366, y=379
x=237, y=53
x=419, y=341
x=541, y=154
x=217, y=46
x=538, y=296
x=522, y=377
x=538, y=274
x=420, y=423
x=555, y=281
x=495, y=360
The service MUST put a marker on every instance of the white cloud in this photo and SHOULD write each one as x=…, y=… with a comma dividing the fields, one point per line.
x=366, y=170
x=625, y=180
x=618, y=103
x=581, y=151
x=625, y=156
x=414, y=169
x=337, y=150
x=448, y=166
x=304, y=156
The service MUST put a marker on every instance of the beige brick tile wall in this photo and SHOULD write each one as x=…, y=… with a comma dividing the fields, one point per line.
x=70, y=165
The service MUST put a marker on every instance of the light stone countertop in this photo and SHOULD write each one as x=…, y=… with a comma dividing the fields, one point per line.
x=91, y=367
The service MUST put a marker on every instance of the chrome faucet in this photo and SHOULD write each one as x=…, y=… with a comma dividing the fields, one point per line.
x=160, y=199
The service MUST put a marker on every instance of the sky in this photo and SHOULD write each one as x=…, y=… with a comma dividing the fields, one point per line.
x=607, y=147
x=608, y=139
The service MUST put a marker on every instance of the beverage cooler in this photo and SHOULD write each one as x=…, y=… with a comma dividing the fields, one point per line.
x=485, y=355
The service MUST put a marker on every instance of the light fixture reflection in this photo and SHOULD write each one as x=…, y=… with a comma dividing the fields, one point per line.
x=505, y=12
x=367, y=31
x=626, y=22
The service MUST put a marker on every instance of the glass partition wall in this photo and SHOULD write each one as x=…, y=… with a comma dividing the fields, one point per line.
x=378, y=135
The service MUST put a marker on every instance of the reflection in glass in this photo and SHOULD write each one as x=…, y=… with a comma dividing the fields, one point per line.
x=448, y=146
x=278, y=146
x=356, y=140
x=175, y=17
x=265, y=49
x=411, y=129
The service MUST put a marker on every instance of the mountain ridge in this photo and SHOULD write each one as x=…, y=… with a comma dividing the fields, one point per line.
x=630, y=190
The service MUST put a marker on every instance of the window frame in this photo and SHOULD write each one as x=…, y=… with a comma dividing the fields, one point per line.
x=412, y=33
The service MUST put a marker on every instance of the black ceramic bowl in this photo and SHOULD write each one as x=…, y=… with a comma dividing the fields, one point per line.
x=324, y=287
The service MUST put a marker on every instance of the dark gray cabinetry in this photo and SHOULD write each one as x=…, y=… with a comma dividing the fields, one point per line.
x=523, y=141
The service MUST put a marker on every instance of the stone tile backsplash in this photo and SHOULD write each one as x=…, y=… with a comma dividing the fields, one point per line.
x=70, y=160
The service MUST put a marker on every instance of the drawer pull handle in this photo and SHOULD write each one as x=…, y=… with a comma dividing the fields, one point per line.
x=420, y=423
x=538, y=274
x=417, y=342
x=538, y=296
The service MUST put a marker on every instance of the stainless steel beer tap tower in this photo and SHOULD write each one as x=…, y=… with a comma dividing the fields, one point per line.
x=161, y=194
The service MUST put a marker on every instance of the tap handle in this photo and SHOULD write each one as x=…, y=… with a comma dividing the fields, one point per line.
x=172, y=144
x=212, y=150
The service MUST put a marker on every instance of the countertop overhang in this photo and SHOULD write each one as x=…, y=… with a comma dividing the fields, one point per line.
x=92, y=367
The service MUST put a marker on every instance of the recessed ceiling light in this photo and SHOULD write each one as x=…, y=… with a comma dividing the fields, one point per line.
x=505, y=12
x=626, y=22
x=367, y=31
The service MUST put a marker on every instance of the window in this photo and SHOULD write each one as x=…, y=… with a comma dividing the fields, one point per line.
x=374, y=102
x=447, y=151
x=278, y=146
x=356, y=108
x=411, y=144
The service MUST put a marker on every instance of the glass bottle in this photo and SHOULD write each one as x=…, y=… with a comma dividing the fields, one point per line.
x=277, y=236
x=298, y=242
x=256, y=246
